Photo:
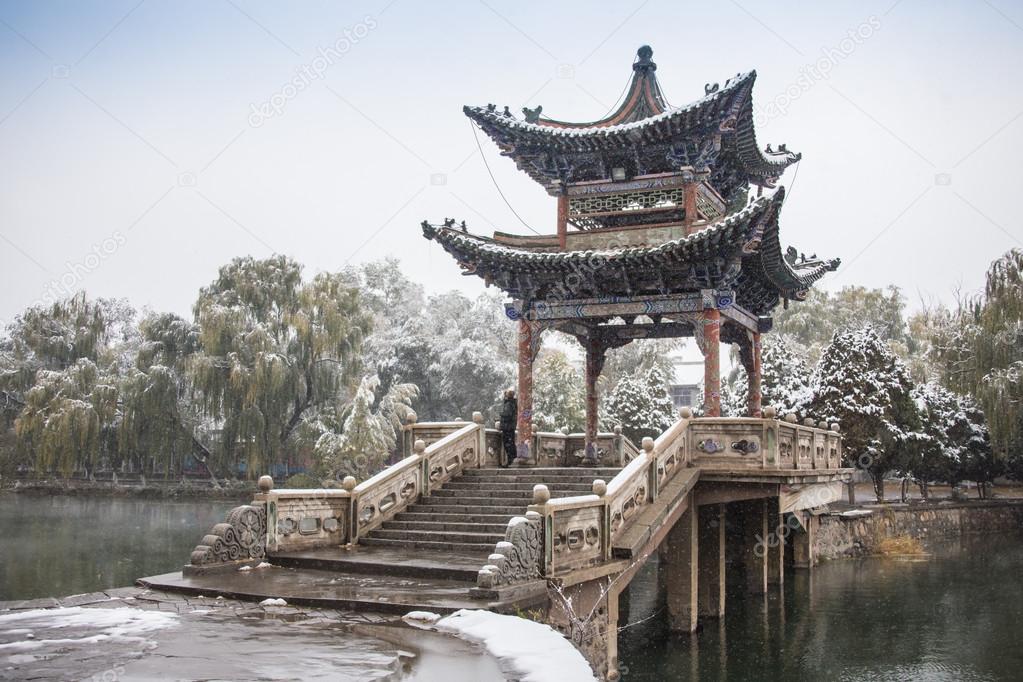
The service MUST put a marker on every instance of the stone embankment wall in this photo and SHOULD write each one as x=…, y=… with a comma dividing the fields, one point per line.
x=850, y=536
x=233, y=490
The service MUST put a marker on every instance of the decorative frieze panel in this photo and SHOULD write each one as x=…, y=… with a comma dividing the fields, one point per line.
x=576, y=537
x=303, y=519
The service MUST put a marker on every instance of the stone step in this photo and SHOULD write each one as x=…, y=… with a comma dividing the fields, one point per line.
x=436, y=499
x=448, y=527
x=436, y=536
x=448, y=505
x=393, y=560
x=597, y=472
x=482, y=548
x=425, y=517
x=549, y=481
x=516, y=486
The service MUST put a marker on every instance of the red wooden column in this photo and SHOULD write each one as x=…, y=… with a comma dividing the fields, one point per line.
x=563, y=220
x=712, y=362
x=689, y=202
x=524, y=427
x=755, y=397
x=594, y=364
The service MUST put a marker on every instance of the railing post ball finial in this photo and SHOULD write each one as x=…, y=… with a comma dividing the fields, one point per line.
x=648, y=444
x=411, y=417
x=809, y=422
x=618, y=429
x=834, y=427
x=770, y=413
x=685, y=412
x=477, y=417
x=497, y=424
x=822, y=425
x=266, y=484
x=600, y=487
x=348, y=483
x=419, y=446
x=541, y=494
x=564, y=431
x=791, y=418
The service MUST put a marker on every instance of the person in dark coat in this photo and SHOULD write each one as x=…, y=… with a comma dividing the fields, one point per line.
x=509, y=418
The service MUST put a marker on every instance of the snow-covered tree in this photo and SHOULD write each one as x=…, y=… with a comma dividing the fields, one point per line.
x=358, y=439
x=273, y=351
x=641, y=406
x=69, y=417
x=784, y=379
x=957, y=446
x=559, y=394
x=862, y=385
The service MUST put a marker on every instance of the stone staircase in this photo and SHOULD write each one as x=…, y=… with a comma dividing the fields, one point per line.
x=469, y=515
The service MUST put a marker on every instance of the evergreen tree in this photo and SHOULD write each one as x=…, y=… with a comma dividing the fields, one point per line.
x=641, y=406
x=784, y=379
x=559, y=394
x=862, y=385
x=957, y=446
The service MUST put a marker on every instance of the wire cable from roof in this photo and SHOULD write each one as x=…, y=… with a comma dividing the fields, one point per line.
x=795, y=174
x=494, y=180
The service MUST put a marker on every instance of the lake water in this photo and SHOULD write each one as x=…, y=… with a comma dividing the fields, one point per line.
x=956, y=616
x=53, y=546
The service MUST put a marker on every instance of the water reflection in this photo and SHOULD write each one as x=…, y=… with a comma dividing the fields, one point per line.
x=60, y=545
x=954, y=617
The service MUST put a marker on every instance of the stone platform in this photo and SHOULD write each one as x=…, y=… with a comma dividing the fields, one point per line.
x=328, y=589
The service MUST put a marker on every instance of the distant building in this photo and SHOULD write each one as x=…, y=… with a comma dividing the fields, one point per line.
x=684, y=395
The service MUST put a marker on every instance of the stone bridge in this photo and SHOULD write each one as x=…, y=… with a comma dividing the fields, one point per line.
x=445, y=528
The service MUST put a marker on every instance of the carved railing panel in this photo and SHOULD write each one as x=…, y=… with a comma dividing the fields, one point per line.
x=445, y=459
x=578, y=537
x=493, y=448
x=379, y=498
x=305, y=519
x=551, y=449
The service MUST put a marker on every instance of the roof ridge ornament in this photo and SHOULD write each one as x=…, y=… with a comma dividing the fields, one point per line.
x=643, y=63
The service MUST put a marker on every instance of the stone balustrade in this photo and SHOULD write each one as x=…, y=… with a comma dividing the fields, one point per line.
x=580, y=531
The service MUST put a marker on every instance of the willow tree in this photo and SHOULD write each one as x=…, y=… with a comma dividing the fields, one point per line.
x=59, y=371
x=273, y=350
x=160, y=418
x=979, y=349
x=68, y=418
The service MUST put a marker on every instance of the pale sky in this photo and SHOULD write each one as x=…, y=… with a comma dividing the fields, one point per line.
x=133, y=164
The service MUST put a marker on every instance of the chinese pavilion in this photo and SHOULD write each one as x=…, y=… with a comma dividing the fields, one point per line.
x=657, y=234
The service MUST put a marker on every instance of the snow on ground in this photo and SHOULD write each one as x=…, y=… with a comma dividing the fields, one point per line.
x=536, y=651
x=59, y=628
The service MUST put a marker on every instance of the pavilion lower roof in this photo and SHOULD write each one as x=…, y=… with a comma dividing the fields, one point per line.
x=740, y=252
x=716, y=130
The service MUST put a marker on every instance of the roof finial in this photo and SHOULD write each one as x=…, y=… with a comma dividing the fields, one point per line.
x=643, y=63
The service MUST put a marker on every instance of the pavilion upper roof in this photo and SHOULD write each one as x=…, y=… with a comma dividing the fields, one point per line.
x=740, y=252
x=645, y=135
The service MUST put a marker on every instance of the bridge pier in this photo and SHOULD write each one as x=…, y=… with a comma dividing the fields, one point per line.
x=711, y=569
x=775, y=544
x=680, y=563
x=803, y=555
x=755, y=538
